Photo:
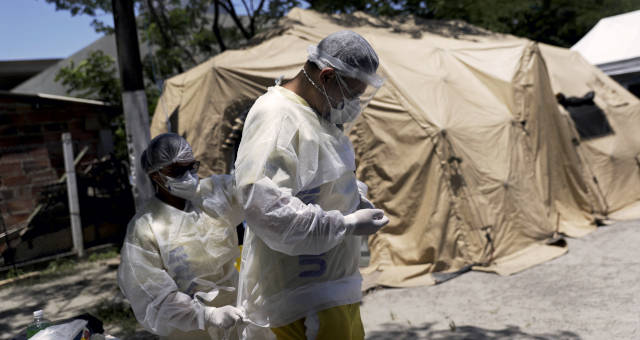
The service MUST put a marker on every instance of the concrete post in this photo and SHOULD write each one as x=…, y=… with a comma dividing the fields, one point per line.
x=72, y=193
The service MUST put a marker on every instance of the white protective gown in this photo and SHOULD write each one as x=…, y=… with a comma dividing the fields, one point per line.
x=174, y=262
x=295, y=173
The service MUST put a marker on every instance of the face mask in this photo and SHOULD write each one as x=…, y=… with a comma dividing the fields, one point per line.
x=184, y=187
x=346, y=111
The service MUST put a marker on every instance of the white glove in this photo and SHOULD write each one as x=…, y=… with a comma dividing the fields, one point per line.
x=223, y=317
x=365, y=204
x=365, y=221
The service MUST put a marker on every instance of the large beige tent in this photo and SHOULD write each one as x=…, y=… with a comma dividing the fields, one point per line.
x=464, y=147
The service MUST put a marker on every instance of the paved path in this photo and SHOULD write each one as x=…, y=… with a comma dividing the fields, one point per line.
x=592, y=292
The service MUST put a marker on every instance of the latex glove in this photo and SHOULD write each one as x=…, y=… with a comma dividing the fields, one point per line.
x=365, y=221
x=223, y=317
x=365, y=204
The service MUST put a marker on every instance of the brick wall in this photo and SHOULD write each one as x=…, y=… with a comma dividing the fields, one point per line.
x=31, y=149
x=23, y=173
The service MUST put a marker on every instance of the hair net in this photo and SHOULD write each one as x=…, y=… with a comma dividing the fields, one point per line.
x=350, y=54
x=165, y=149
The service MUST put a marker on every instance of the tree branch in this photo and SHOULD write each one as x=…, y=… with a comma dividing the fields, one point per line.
x=246, y=8
x=216, y=25
x=176, y=41
x=166, y=40
x=252, y=22
x=232, y=12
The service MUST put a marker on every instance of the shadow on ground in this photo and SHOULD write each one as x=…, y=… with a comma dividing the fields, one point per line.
x=70, y=292
x=5, y=324
x=395, y=331
x=62, y=294
x=139, y=335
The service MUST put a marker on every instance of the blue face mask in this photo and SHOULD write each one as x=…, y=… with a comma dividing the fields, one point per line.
x=184, y=186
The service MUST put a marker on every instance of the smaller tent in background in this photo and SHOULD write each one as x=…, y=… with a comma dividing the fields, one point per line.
x=613, y=45
x=612, y=160
x=609, y=162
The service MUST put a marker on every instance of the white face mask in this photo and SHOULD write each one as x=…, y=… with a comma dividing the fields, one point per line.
x=184, y=187
x=347, y=110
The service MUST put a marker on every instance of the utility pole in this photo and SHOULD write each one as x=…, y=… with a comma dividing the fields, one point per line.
x=134, y=100
x=72, y=193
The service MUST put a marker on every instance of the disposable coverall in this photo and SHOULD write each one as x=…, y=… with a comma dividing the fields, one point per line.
x=295, y=172
x=174, y=262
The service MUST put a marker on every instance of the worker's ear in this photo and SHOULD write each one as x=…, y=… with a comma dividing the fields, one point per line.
x=327, y=74
x=156, y=178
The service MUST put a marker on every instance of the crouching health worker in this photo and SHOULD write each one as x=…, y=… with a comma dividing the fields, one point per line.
x=178, y=256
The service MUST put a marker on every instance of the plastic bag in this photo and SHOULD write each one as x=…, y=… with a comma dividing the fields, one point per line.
x=65, y=331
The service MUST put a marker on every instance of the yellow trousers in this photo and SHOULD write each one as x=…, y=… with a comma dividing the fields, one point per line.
x=341, y=322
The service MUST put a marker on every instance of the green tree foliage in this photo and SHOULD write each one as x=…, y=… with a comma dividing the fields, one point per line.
x=182, y=33
x=557, y=22
x=96, y=78
x=87, y=7
x=93, y=78
x=185, y=33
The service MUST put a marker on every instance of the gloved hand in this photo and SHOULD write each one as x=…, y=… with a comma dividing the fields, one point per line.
x=365, y=203
x=223, y=317
x=365, y=221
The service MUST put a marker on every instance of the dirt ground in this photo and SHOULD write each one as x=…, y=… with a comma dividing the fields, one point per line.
x=592, y=292
x=88, y=287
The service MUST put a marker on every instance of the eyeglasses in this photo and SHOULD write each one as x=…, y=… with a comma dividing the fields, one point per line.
x=347, y=91
x=176, y=170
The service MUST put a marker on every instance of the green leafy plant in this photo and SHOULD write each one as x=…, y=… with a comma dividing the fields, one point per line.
x=117, y=314
x=96, y=78
x=93, y=78
x=13, y=273
x=103, y=255
x=59, y=266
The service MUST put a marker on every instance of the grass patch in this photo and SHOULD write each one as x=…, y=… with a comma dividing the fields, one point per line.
x=104, y=254
x=59, y=266
x=116, y=314
x=13, y=273
x=49, y=270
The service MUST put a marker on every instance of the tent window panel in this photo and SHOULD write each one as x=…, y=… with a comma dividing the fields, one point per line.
x=635, y=89
x=589, y=119
x=173, y=121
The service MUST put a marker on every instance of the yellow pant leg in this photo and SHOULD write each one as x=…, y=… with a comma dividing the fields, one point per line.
x=239, y=259
x=292, y=331
x=341, y=322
